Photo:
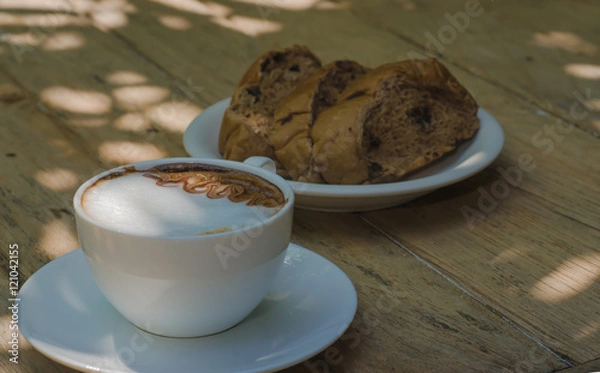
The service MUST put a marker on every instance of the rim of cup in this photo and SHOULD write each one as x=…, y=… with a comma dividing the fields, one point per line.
x=264, y=173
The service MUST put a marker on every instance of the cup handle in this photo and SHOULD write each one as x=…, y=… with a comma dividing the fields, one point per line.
x=262, y=162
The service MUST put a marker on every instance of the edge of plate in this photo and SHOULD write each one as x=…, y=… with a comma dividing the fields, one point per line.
x=426, y=183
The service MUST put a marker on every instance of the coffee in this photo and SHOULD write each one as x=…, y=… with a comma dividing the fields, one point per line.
x=180, y=199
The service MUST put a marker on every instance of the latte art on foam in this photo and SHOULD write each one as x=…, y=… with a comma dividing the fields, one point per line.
x=181, y=199
x=219, y=182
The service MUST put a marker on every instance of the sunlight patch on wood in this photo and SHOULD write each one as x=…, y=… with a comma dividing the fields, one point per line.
x=510, y=255
x=332, y=5
x=566, y=41
x=95, y=6
x=42, y=21
x=174, y=116
x=197, y=7
x=249, y=26
x=571, y=278
x=56, y=5
x=132, y=122
x=57, y=179
x=110, y=18
x=593, y=104
x=61, y=41
x=58, y=238
x=126, y=77
x=76, y=100
x=139, y=97
x=283, y=4
x=588, y=331
x=175, y=22
x=23, y=39
x=582, y=70
x=297, y=5
x=107, y=14
x=122, y=152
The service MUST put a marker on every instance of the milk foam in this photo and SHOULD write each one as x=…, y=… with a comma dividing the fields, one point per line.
x=134, y=203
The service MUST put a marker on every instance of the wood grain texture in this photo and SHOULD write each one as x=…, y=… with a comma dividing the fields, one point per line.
x=589, y=367
x=516, y=51
x=408, y=316
x=544, y=134
x=39, y=171
x=113, y=105
x=543, y=52
x=536, y=277
x=87, y=85
x=549, y=263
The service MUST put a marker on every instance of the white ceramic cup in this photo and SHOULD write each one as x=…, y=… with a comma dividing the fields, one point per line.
x=188, y=286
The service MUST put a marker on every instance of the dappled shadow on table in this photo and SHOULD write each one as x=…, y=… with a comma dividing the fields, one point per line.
x=111, y=82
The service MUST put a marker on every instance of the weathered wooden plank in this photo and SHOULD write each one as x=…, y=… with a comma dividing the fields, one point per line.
x=107, y=97
x=68, y=114
x=589, y=367
x=429, y=305
x=523, y=122
x=527, y=224
x=39, y=171
x=544, y=52
x=409, y=318
x=431, y=314
x=537, y=267
x=516, y=51
x=544, y=156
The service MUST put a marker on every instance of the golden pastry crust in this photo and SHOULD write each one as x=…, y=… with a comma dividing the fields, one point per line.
x=343, y=123
x=392, y=121
x=290, y=134
x=267, y=81
x=338, y=154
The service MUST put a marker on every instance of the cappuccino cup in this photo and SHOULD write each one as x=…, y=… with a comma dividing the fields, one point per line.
x=185, y=247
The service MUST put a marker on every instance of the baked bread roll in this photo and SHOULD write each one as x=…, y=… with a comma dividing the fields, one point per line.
x=248, y=118
x=392, y=121
x=294, y=117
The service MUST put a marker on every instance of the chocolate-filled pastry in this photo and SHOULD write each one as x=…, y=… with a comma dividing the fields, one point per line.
x=269, y=79
x=294, y=117
x=392, y=121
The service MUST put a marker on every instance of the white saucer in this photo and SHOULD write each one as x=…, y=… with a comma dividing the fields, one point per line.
x=65, y=317
x=201, y=141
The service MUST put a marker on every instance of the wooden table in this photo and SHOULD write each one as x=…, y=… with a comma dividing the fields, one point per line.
x=498, y=273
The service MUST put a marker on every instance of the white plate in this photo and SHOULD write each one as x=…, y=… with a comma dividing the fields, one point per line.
x=201, y=141
x=65, y=316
